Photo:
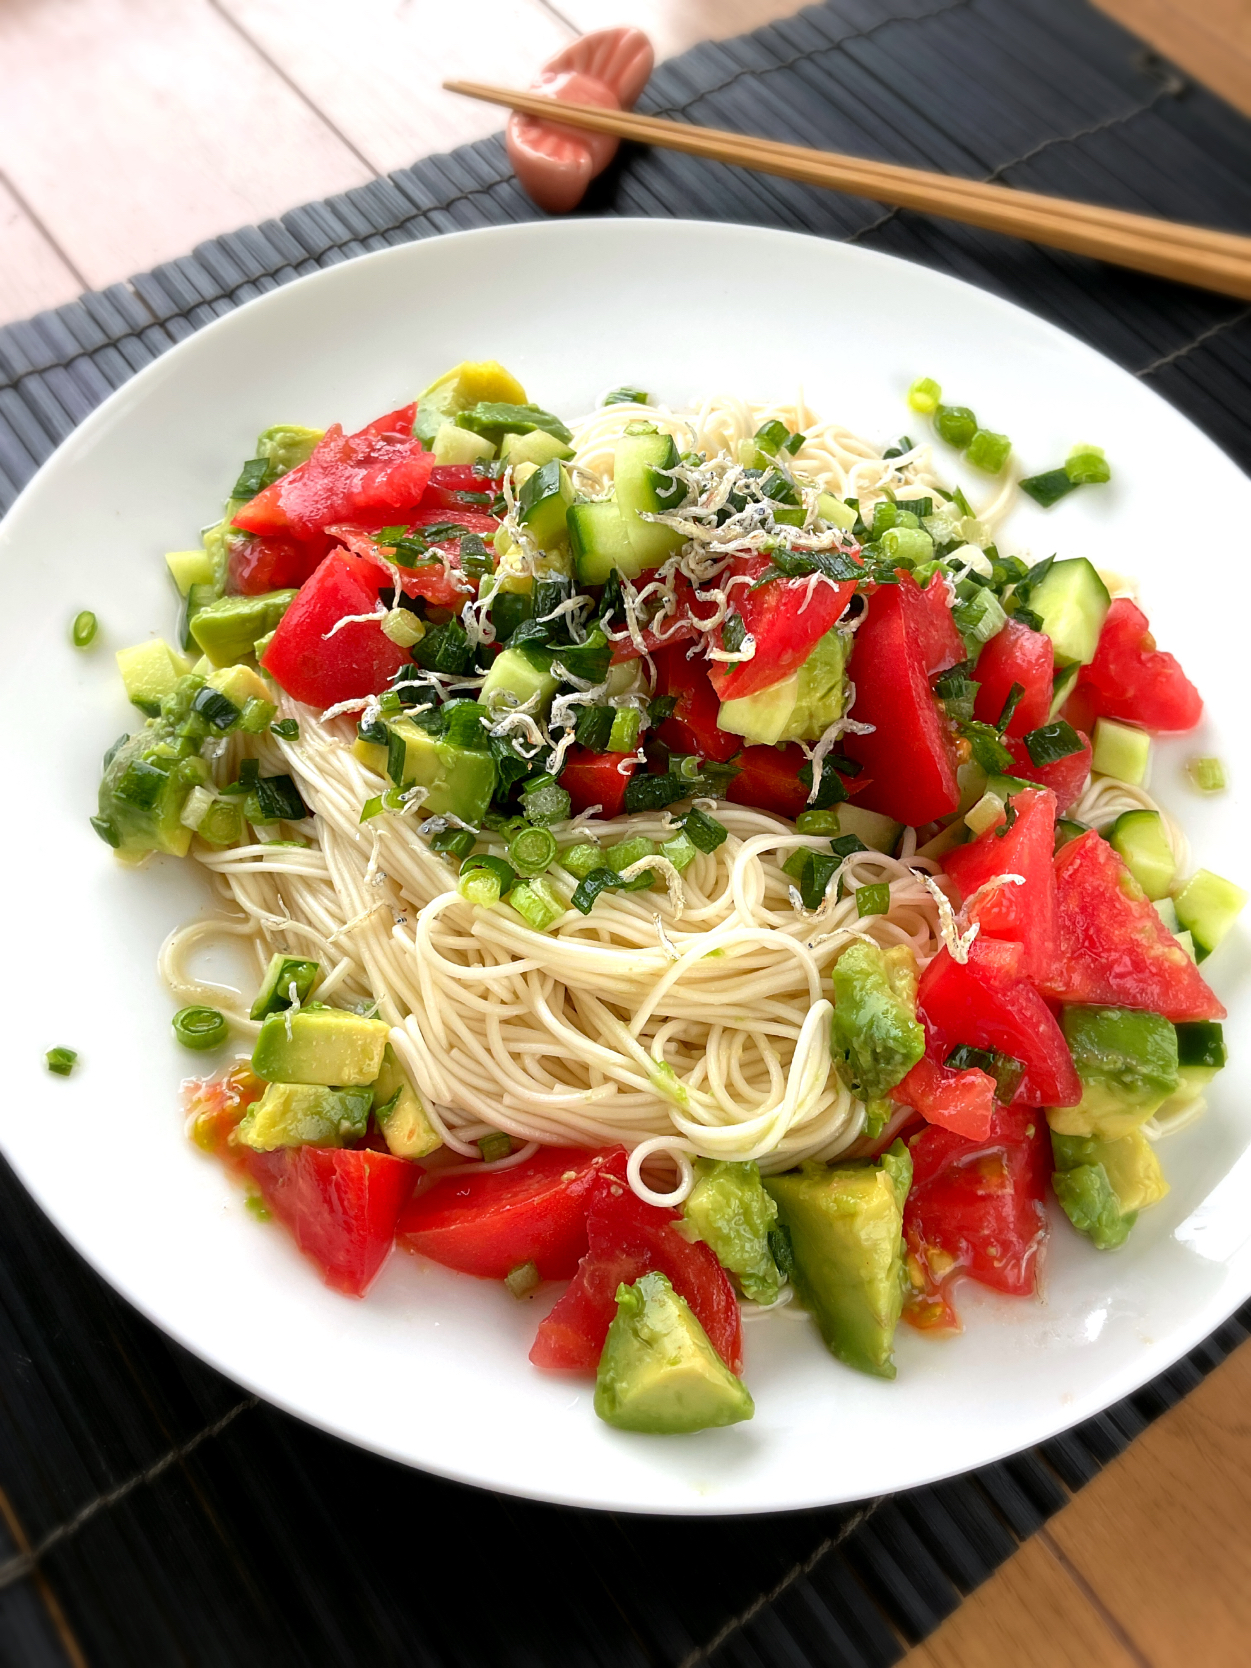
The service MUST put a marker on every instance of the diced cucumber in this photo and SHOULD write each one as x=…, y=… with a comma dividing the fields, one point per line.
x=971, y=781
x=1006, y=786
x=200, y=595
x=597, y=532
x=1207, y=907
x=1201, y=1043
x=985, y=814
x=1166, y=909
x=227, y=629
x=511, y=671
x=282, y=974
x=538, y=447
x=1062, y=686
x=640, y=488
x=1121, y=751
x=543, y=502
x=879, y=833
x=834, y=511
x=1067, y=829
x=1071, y=600
x=149, y=671
x=1186, y=940
x=190, y=567
x=453, y=445
x=1140, y=838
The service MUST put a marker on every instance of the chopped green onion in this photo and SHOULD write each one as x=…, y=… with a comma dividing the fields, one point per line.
x=480, y=887
x=287, y=728
x=525, y=1277
x=275, y=799
x=873, y=900
x=1087, y=466
x=846, y=845
x=221, y=824
x=579, y=860
x=107, y=831
x=1006, y=1070
x=626, y=852
x=590, y=887
x=1050, y=742
x=503, y=872
x=661, y=707
x=197, y=805
x=1012, y=702
x=403, y=627
x=988, y=748
x=60, y=1061
x=371, y=808
x=653, y=793
x=797, y=862
x=453, y=842
x=956, y=424
x=215, y=708
x=988, y=451
x=907, y=544
x=545, y=801
x=628, y=396
x=680, y=851
x=595, y=725
x=537, y=904
x=924, y=395
x=254, y=477
x=255, y=717
x=200, y=1028
x=531, y=851
x=703, y=831
x=733, y=633
x=1048, y=488
x=624, y=735
x=817, y=822
x=818, y=872
x=980, y=618
x=902, y=445
x=495, y=1146
x=1208, y=775
x=83, y=629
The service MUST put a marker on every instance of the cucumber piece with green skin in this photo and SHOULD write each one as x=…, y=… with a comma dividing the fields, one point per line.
x=190, y=567
x=597, y=533
x=538, y=447
x=454, y=445
x=512, y=672
x=1072, y=601
x=1166, y=909
x=1068, y=829
x=543, y=502
x=283, y=973
x=879, y=833
x=1207, y=907
x=640, y=488
x=1140, y=839
x=149, y=671
x=1201, y=1042
x=1120, y=751
x=1062, y=686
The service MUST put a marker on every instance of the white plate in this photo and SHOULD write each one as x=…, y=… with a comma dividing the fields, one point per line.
x=431, y=1369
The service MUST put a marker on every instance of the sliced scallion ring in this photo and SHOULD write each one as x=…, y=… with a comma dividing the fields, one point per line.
x=200, y=1028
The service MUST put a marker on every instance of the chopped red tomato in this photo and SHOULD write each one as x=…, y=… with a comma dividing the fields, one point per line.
x=473, y=521
x=963, y=1101
x=376, y=477
x=785, y=617
x=492, y=1223
x=597, y=779
x=768, y=778
x=458, y=487
x=656, y=631
x=1026, y=914
x=340, y=1205
x=975, y=1208
x=216, y=1105
x=1065, y=777
x=1114, y=948
x=628, y=1238
x=908, y=757
x=314, y=666
x=928, y=613
x=1015, y=655
x=692, y=726
x=1130, y=678
x=987, y=1004
x=440, y=580
x=255, y=565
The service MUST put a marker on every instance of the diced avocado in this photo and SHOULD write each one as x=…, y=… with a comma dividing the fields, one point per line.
x=286, y=446
x=642, y=489
x=834, y=511
x=1071, y=600
x=304, y=1115
x=846, y=1226
x=597, y=533
x=730, y=1210
x=400, y=1111
x=537, y=447
x=460, y=446
x=240, y=684
x=1102, y=1185
x=763, y=717
x=456, y=390
x=288, y=982
x=190, y=567
x=512, y=672
x=372, y=754
x=1207, y=907
x=801, y=707
x=1127, y=1061
x=658, y=1371
x=879, y=833
x=142, y=793
x=1120, y=750
x=1140, y=838
x=460, y=780
x=874, y=1034
x=320, y=1045
x=227, y=629
x=149, y=671
x=543, y=503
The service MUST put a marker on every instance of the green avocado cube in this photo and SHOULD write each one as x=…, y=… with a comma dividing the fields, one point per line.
x=846, y=1228
x=459, y=780
x=875, y=1034
x=320, y=1045
x=304, y=1115
x=659, y=1372
x=1127, y=1061
x=401, y=1112
x=142, y=794
x=1102, y=1185
x=730, y=1210
x=227, y=629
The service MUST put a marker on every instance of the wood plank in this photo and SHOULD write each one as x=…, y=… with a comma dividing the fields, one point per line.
x=375, y=68
x=1212, y=40
x=135, y=128
x=1030, y=1614
x=33, y=272
x=676, y=24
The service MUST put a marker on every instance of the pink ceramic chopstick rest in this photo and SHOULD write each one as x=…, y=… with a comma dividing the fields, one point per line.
x=554, y=163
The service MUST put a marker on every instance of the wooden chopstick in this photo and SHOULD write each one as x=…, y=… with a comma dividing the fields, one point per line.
x=1189, y=254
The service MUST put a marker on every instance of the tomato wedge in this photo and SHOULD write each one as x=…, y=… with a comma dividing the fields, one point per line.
x=1026, y=914
x=255, y=565
x=439, y=581
x=490, y=1223
x=341, y=1206
x=1114, y=948
x=313, y=666
x=374, y=476
x=976, y=1208
x=692, y=726
x=1015, y=655
x=986, y=1003
x=963, y=1101
x=768, y=778
x=1066, y=777
x=597, y=779
x=785, y=617
x=1130, y=678
x=628, y=1238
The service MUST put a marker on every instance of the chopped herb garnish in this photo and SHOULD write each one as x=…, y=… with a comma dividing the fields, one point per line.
x=83, y=630
x=200, y=1028
x=1050, y=742
x=289, y=728
x=60, y=1061
x=1013, y=701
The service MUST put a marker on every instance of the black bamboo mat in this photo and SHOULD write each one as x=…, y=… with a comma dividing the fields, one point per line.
x=151, y=1514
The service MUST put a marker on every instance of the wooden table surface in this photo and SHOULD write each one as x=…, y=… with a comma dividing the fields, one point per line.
x=132, y=129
